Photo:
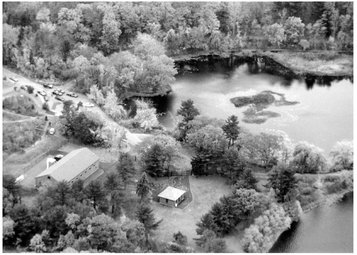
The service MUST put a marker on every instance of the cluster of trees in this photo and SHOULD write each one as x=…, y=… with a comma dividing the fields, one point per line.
x=123, y=44
x=241, y=205
x=261, y=235
x=67, y=217
x=158, y=155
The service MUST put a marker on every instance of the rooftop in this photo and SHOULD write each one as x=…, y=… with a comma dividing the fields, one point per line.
x=71, y=165
x=172, y=193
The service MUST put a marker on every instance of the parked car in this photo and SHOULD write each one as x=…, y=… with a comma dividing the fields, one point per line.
x=46, y=85
x=71, y=94
x=59, y=98
x=56, y=92
x=52, y=132
x=42, y=93
x=13, y=79
x=23, y=87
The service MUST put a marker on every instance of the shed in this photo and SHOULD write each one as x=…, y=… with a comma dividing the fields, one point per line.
x=171, y=196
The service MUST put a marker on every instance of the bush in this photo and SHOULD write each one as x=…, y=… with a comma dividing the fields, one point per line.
x=18, y=136
x=30, y=89
x=20, y=104
x=45, y=106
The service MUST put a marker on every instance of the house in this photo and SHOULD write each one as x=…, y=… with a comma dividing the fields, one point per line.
x=171, y=196
x=78, y=164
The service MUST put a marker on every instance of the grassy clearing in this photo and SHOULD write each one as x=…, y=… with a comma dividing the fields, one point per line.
x=322, y=63
x=20, y=104
x=20, y=135
x=205, y=192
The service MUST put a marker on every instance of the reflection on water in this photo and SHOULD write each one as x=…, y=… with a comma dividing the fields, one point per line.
x=323, y=116
x=324, y=229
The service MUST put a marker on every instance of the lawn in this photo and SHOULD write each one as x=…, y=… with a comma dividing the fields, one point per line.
x=205, y=192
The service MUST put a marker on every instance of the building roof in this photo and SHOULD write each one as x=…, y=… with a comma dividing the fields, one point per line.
x=71, y=165
x=172, y=193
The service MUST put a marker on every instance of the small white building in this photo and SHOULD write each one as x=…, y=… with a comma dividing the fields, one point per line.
x=171, y=196
x=76, y=165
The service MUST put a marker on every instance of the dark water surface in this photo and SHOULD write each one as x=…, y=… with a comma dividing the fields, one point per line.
x=323, y=116
x=324, y=229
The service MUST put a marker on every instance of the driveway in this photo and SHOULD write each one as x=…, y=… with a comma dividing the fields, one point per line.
x=205, y=191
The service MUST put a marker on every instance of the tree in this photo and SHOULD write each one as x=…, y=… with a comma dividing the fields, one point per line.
x=61, y=193
x=95, y=192
x=179, y=238
x=188, y=111
x=282, y=180
x=304, y=44
x=232, y=164
x=308, y=158
x=126, y=168
x=112, y=108
x=54, y=220
x=211, y=243
x=143, y=187
x=154, y=161
x=209, y=139
x=104, y=232
x=275, y=34
x=263, y=149
x=294, y=30
x=8, y=230
x=145, y=115
x=10, y=35
x=145, y=215
x=342, y=156
x=27, y=223
x=231, y=130
x=246, y=180
x=261, y=235
x=9, y=183
x=242, y=205
x=37, y=245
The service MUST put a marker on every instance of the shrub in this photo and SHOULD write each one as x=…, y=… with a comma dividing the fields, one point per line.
x=30, y=89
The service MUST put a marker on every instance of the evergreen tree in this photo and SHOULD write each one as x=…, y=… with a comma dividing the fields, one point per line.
x=145, y=215
x=282, y=180
x=126, y=168
x=246, y=180
x=95, y=192
x=231, y=129
x=154, y=161
x=188, y=111
x=143, y=187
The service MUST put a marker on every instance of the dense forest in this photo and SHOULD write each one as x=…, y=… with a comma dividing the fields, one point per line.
x=128, y=46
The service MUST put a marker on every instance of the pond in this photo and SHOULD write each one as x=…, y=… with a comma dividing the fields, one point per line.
x=323, y=116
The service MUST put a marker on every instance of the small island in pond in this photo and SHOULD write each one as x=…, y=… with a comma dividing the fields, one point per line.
x=257, y=103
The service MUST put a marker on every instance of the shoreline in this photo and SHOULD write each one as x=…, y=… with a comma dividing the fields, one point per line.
x=282, y=60
x=328, y=200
